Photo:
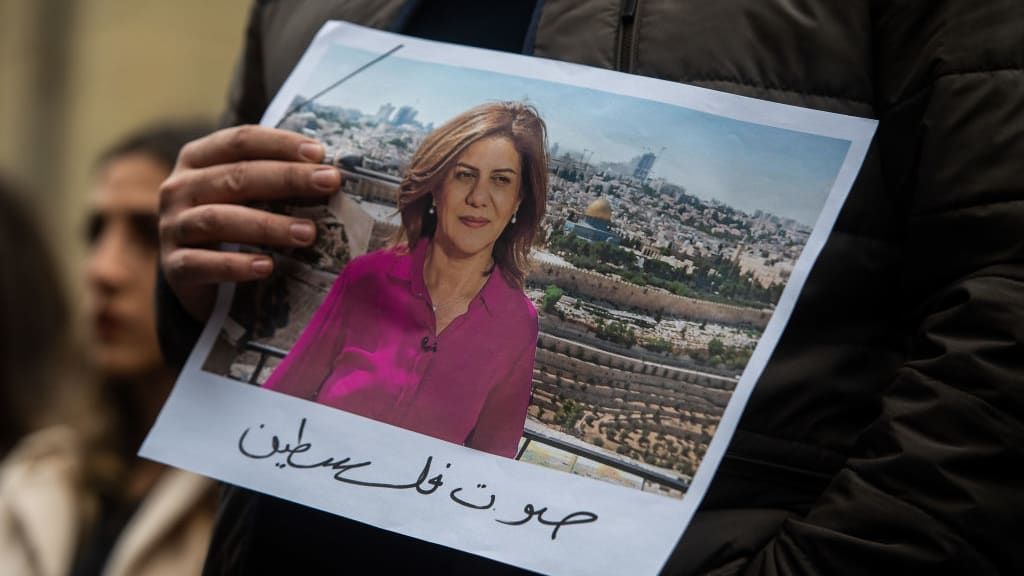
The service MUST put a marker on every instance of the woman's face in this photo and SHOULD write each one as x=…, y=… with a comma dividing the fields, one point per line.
x=479, y=195
x=122, y=255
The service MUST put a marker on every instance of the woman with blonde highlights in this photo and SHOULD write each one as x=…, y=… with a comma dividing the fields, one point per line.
x=436, y=335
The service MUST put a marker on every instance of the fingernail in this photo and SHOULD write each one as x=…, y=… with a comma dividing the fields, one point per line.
x=262, y=266
x=302, y=232
x=327, y=178
x=311, y=151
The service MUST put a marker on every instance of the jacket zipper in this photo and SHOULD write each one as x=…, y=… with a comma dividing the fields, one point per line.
x=627, y=23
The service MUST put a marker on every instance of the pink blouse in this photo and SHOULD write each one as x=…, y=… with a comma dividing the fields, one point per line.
x=371, y=349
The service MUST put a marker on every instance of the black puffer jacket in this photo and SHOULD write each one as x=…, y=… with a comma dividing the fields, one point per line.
x=887, y=433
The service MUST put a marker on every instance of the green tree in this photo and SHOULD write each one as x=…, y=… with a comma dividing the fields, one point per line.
x=658, y=345
x=716, y=347
x=568, y=414
x=552, y=294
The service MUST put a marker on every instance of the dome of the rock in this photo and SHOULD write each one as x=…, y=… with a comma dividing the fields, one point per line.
x=600, y=209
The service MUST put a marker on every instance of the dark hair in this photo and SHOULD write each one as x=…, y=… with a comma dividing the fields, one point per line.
x=523, y=126
x=161, y=142
x=34, y=317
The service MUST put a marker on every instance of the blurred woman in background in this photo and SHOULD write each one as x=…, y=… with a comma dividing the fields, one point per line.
x=34, y=317
x=75, y=499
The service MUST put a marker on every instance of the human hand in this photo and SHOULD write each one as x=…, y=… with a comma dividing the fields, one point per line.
x=202, y=206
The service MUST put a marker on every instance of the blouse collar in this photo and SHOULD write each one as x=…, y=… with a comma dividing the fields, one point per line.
x=408, y=267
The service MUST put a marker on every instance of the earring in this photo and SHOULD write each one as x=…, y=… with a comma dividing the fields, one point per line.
x=431, y=211
x=514, y=214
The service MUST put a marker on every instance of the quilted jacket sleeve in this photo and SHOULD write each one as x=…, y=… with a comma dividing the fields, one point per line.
x=936, y=485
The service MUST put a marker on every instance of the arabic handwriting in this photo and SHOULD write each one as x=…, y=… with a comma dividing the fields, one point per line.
x=468, y=504
x=426, y=483
x=581, y=517
x=243, y=450
x=435, y=482
x=276, y=447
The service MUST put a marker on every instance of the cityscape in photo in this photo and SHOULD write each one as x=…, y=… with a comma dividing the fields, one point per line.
x=652, y=291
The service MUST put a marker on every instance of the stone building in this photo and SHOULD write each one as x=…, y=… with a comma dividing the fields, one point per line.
x=596, y=224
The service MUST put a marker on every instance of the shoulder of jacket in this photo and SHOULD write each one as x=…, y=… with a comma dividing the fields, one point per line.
x=43, y=452
x=40, y=492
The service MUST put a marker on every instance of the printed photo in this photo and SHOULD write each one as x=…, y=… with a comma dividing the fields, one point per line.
x=534, y=312
x=569, y=277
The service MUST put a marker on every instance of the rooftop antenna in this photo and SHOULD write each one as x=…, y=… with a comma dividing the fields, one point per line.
x=299, y=107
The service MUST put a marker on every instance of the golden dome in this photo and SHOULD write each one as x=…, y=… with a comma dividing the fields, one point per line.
x=600, y=209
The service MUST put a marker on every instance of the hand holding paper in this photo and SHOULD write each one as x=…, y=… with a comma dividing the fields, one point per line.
x=201, y=205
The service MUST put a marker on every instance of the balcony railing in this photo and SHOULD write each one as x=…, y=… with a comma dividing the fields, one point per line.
x=264, y=351
x=646, y=474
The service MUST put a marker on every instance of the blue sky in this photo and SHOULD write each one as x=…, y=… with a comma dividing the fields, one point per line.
x=739, y=163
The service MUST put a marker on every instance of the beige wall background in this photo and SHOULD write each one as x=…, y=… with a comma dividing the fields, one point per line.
x=77, y=75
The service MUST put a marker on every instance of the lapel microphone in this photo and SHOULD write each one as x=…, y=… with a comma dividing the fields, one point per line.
x=427, y=346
